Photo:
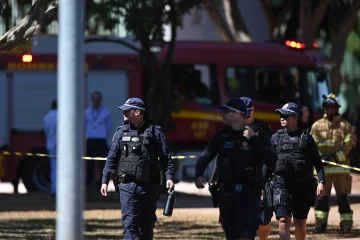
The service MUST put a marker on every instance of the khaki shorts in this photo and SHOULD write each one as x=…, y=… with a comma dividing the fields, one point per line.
x=342, y=184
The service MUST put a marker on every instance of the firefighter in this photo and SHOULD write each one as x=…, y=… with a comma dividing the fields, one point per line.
x=334, y=137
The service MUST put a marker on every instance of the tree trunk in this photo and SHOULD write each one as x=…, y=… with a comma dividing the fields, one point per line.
x=339, y=44
x=271, y=21
x=318, y=17
x=166, y=74
x=305, y=20
x=235, y=21
x=220, y=24
x=6, y=14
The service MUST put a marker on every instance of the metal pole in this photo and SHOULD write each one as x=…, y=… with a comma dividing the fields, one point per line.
x=70, y=184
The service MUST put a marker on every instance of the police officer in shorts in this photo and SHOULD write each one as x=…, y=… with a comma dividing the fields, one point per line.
x=294, y=187
x=240, y=154
x=136, y=147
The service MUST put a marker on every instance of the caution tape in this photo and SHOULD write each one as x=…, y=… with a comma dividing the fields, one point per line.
x=7, y=153
x=342, y=165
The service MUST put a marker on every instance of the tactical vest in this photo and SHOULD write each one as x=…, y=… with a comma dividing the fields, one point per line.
x=137, y=160
x=235, y=162
x=292, y=158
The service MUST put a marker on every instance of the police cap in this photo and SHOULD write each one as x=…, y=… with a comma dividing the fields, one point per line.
x=131, y=103
x=235, y=104
x=289, y=109
x=249, y=104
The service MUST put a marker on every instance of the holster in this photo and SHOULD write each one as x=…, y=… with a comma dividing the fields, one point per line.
x=269, y=193
x=116, y=182
x=214, y=191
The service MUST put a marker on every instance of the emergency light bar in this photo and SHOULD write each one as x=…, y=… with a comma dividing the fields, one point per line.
x=27, y=58
x=299, y=45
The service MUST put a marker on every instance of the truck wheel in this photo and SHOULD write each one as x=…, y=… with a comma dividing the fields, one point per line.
x=24, y=171
x=35, y=172
x=41, y=174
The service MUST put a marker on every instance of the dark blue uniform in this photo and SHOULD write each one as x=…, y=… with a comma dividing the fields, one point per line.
x=138, y=196
x=265, y=133
x=239, y=175
x=296, y=188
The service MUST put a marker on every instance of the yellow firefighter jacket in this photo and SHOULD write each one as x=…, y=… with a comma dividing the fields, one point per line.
x=334, y=140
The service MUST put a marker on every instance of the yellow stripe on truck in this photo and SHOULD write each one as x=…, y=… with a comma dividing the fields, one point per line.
x=198, y=115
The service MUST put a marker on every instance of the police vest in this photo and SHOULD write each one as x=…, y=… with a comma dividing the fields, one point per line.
x=235, y=161
x=138, y=158
x=292, y=159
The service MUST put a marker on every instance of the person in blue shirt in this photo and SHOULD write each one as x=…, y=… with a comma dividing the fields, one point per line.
x=139, y=149
x=98, y=127
x=50, y=128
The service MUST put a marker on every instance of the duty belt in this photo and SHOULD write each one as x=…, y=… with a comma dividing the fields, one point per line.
x=125, y=179
x=232, y=187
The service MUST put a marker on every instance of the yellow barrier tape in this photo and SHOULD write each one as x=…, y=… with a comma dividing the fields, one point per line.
x=7, y=153
x=174, y=157
x=342, y=165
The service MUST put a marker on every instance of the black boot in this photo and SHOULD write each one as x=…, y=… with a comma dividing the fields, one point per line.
x=320, y=226
x=346, y=226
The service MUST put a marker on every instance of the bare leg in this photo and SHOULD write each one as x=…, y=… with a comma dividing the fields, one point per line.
x=264, y=231
x=300, y=229
x=284, y=228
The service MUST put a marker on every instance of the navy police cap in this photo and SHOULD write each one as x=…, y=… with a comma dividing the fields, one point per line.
x=235, y=104
x=131, y=103
x=289, y=109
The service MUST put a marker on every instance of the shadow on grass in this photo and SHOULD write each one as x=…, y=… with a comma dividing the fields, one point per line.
x=105, y=229
x=43, y=201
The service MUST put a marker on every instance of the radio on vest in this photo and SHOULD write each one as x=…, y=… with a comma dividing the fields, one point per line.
x=170, y=203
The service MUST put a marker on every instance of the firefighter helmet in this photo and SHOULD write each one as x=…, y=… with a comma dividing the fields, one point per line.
x=331, y=98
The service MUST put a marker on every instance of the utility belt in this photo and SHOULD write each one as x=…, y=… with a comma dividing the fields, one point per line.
x=233, y=187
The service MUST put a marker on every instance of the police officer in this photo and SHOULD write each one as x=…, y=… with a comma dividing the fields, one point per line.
x=335, y=137
x=136, y=147
x=264, y=131
x=294, y=186
x=240, y=155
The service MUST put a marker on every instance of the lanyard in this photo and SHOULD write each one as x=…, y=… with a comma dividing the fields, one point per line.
x=94, y=115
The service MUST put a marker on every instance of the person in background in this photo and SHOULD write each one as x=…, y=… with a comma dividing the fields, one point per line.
x=98, y=127
x=306, y=120
x=335, y=138
x=50, y=126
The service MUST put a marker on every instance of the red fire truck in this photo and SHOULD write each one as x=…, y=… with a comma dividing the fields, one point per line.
x=204, y=74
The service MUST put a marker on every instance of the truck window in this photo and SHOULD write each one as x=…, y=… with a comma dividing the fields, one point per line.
x=263, y=84
x=194, y=83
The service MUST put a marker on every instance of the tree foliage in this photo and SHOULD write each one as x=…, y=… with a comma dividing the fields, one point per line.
x=144, y=20
x=304, y=20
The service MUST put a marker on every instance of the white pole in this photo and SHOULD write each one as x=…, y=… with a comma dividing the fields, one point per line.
x=70, y=184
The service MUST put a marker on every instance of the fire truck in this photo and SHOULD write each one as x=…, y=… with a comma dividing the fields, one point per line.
x=204, y=75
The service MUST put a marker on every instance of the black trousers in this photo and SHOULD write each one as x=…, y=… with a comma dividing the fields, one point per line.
x=95, y=147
